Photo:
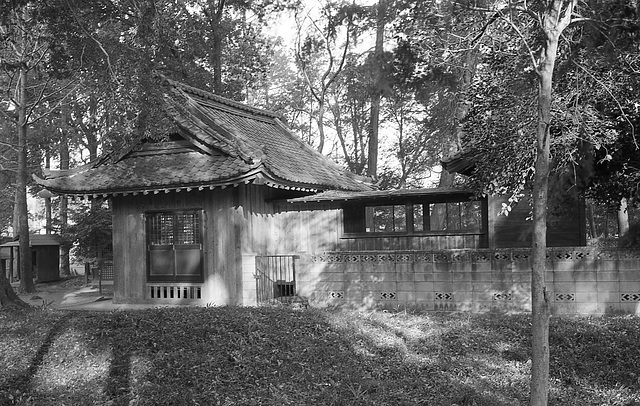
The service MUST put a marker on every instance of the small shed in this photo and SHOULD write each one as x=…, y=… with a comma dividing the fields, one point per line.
x=45, y=257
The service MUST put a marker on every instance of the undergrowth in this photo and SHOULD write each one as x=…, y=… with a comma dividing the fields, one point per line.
x=279, y=356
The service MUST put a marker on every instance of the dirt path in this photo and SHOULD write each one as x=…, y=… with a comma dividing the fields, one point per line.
x=66, y=292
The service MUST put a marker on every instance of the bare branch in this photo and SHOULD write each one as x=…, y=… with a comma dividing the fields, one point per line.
x=88, y=34
x=58, y=103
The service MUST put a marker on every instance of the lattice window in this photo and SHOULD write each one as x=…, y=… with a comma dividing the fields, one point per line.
x=160, y=228
x=336, y=295
x=174, y=246
x=188, y=228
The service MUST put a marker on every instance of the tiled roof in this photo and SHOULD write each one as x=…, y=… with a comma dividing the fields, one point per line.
x=227, y=143
x=377, y=195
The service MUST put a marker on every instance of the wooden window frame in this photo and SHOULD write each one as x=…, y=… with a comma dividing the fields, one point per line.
x=355, y=222
x=175, y=246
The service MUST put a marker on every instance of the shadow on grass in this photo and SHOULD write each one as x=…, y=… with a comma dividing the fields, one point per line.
x=18, y=385
x=118, y=383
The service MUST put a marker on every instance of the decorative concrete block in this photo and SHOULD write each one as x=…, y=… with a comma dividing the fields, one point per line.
x=329, y=286
x=586, y=276
x=522, y=277
x=588, y=308
x=423, y=277
x=482, y=277
x=587, y=296
x=405, y=286
x=443, y=286
x=564, y=287
x=462, y=276
x=442, y=276
x=564, y=276
x=607, y=276
x=423, y=287
x=630, y=308
x=586, y=286
x=563, y=308
x=406, y=297
x=630, y=276
x=608, y=287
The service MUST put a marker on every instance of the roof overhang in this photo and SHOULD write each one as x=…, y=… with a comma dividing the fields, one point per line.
x=435, y=194
x=258, y=176
x=36, y=240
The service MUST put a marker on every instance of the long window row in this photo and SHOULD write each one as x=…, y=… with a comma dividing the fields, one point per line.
x=415, y=218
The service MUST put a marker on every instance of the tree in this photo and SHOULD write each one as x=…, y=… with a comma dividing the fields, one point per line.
x=26, y=49
x=529, y=98
x=8, y=298
x=374, y=123
x=319, y=57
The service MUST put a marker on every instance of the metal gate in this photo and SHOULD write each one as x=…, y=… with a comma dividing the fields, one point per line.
x=275, y=277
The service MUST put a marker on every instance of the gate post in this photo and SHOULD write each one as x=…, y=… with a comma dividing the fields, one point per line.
x=249, y=296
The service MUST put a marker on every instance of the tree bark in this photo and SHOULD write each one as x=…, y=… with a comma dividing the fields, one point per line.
x=215, y=13
x=8, y=298
x=623, y=218
x=372, y=167
x=554, y=20
x=26, y=277
x=65, y=266
x=47, y=200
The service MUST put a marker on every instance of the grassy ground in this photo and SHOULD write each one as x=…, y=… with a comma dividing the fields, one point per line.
x=280, y=356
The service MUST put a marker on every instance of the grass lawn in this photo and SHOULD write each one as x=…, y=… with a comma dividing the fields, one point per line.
x=280, y=356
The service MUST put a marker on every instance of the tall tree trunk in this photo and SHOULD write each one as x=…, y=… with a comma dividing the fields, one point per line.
x=215, y=12
x=26, y=279
x=592, y=221
x=321, y=111
x=47, y=199
x=65, y=266
x=555, y=19
x=8, y=298
x=372, y=168
x=623, y=217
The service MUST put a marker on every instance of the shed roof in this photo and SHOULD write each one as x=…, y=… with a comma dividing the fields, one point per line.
x=220, y=143
x=36, y=240
x=371, y=195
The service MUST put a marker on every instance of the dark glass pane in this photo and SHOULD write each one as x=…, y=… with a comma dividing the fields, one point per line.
x=453, y=216
x=399, y=218
x=438, y=217
x=188, y=262
x=161, y=262
x=418, y=217
x=383, y=219
x=471, y=215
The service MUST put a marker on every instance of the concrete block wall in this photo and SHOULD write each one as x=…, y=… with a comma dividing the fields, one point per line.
x=581, y=280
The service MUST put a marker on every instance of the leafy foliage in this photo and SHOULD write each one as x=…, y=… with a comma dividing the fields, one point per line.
x=90, y=232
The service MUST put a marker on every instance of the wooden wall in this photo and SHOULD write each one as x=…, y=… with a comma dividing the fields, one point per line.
x=47, y=262
x=248, y=220
x=222, y=229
